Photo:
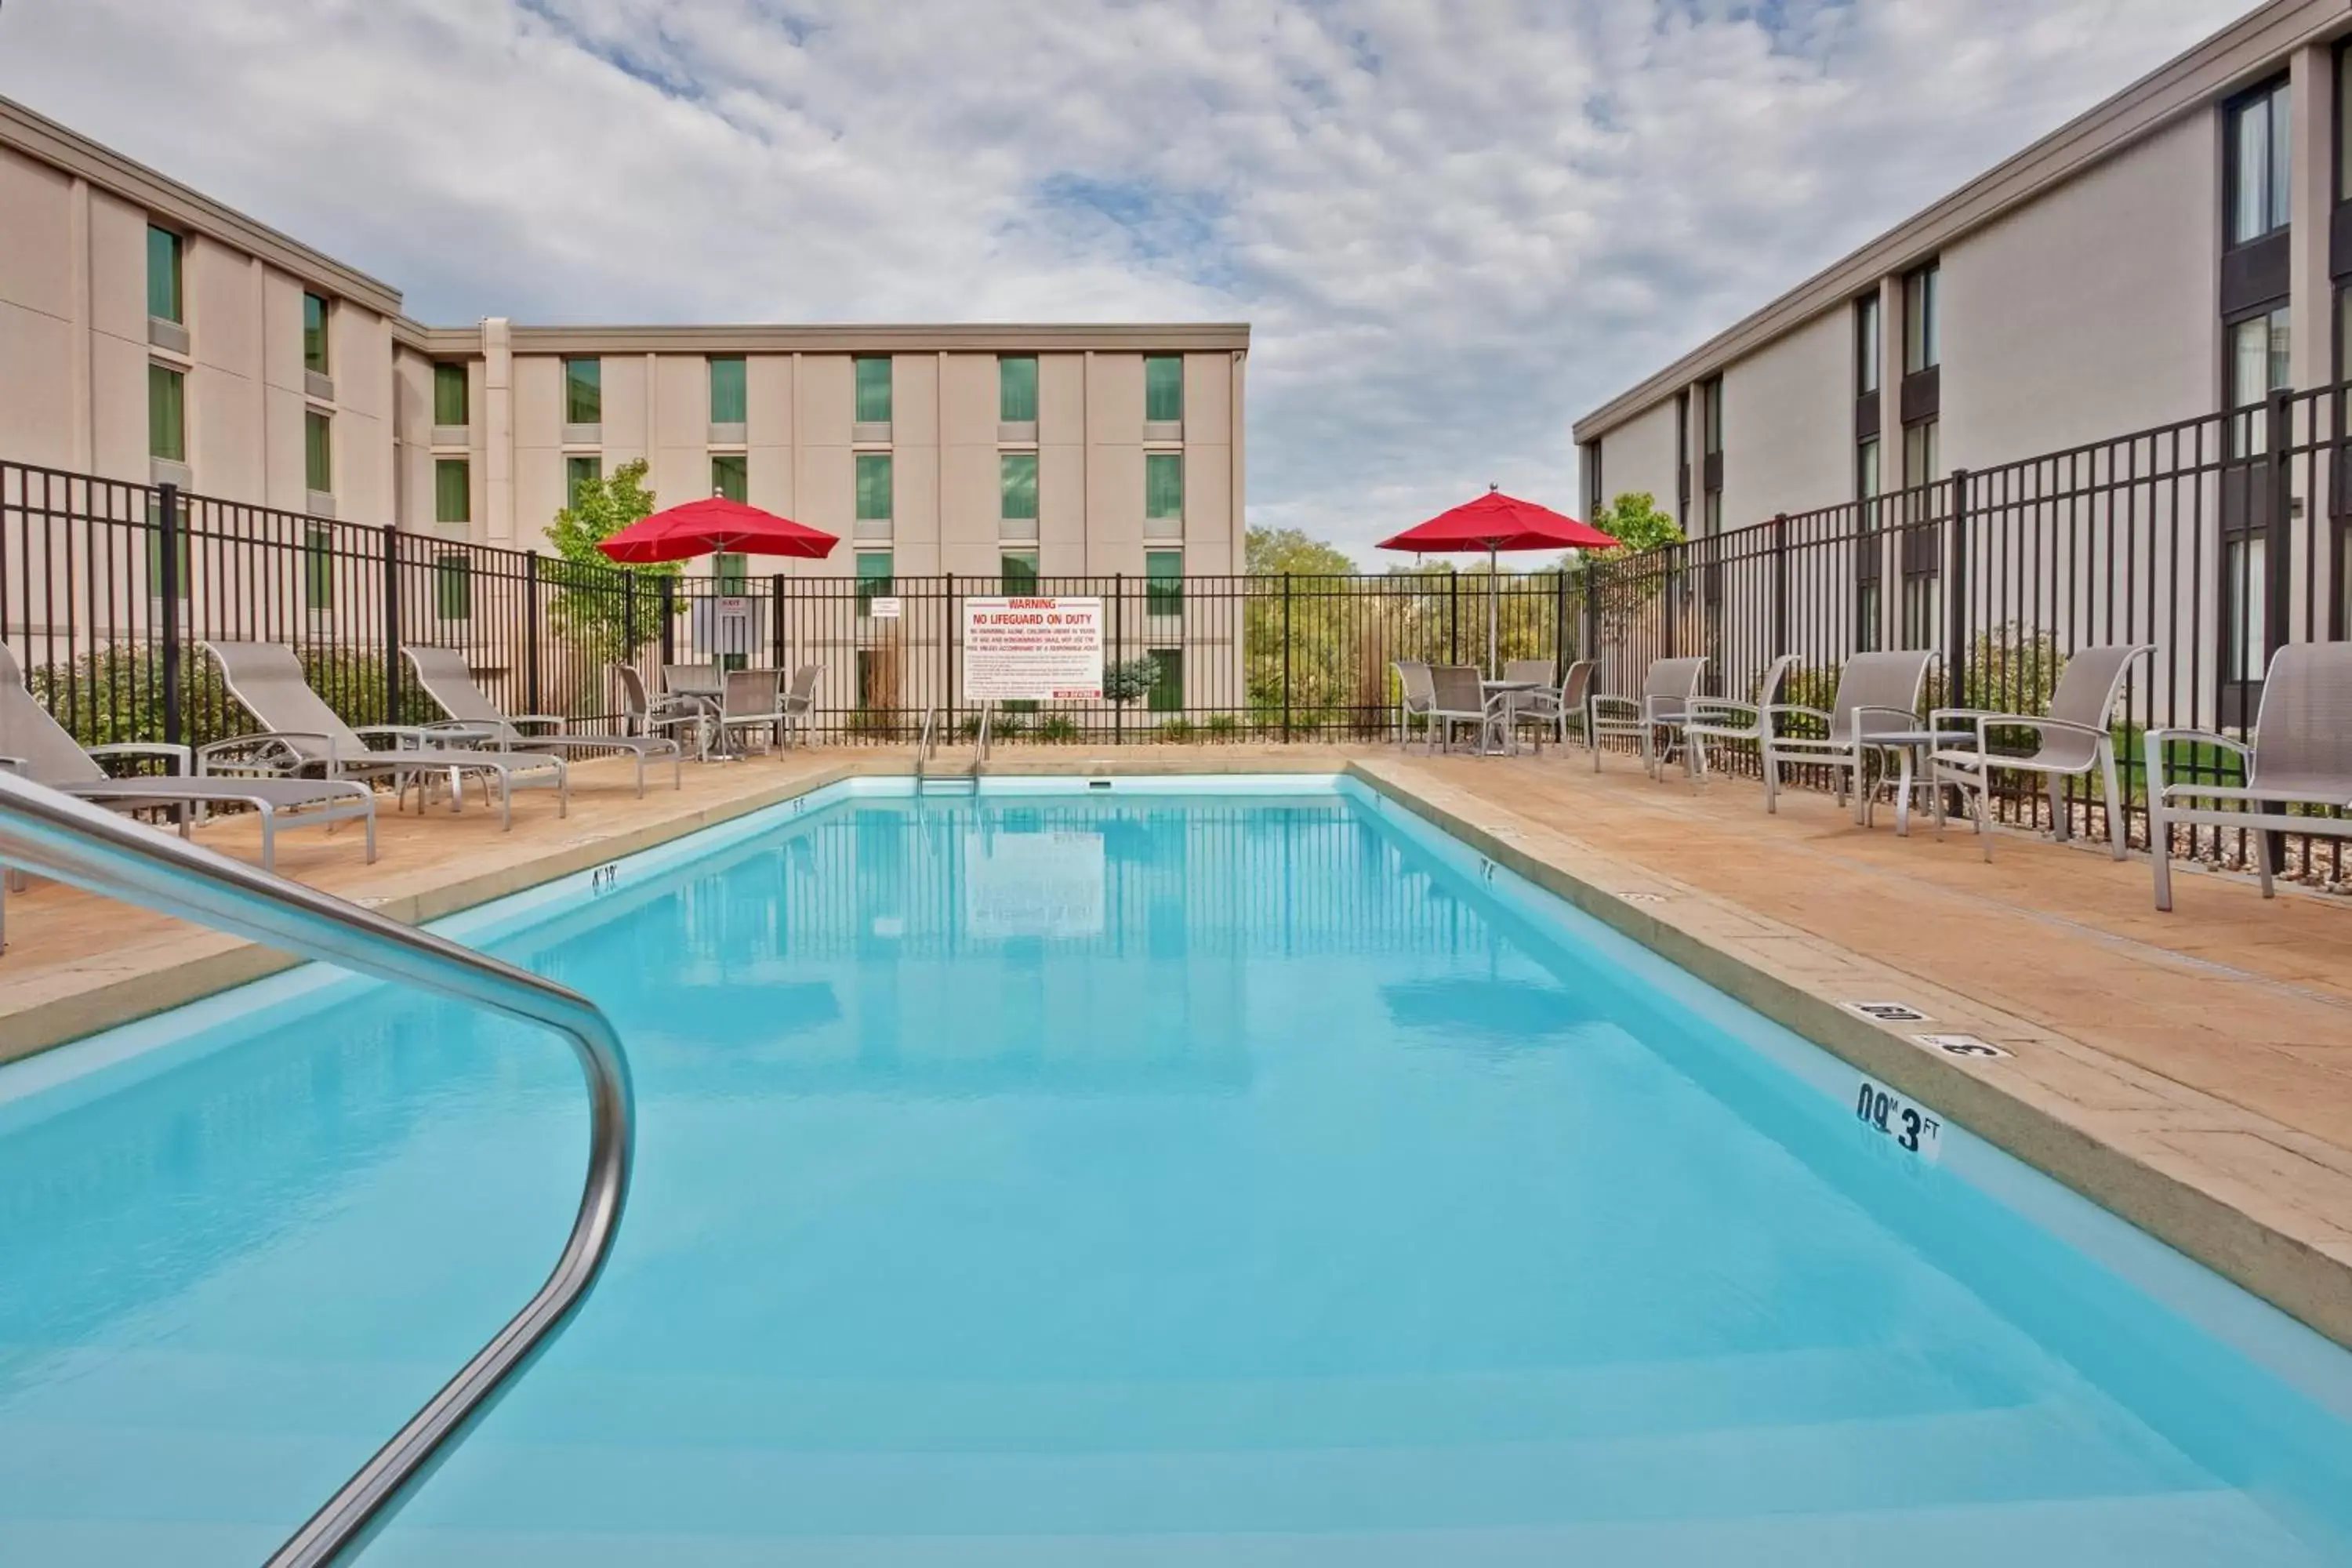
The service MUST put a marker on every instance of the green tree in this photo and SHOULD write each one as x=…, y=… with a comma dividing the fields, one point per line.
x=596, y=604
x=1620, y=585
x=1288, y=552
x=1634, y=521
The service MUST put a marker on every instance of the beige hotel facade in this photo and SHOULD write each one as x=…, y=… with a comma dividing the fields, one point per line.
x=148, y=334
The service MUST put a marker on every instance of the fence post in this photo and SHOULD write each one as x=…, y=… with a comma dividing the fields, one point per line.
x=948, y=629
x=391, y=624
x=780, y=650
x=1117, y=649
x=167, y=569
x=1672, y=599
x=530, y=630
x=1780, y=585
x=2278, y=548
x=1956, y=596
x=1560, y=624
x=628, y=618
x=1453, y=617
x=1286, y=655
x=1588, y=636
x=669, y=620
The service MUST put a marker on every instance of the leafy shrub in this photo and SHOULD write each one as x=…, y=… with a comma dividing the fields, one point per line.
x=1057, y=728
x=1129, y=682
x=1176, y=730
x=1225, y=727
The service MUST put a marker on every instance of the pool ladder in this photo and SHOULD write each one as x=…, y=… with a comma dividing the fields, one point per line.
x=57, y=836
x=927, y=750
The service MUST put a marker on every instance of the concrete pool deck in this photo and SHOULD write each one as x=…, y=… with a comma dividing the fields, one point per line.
x=2191, y=1072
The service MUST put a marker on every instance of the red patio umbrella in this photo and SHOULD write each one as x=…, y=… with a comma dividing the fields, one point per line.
x=711, y=526
x=1494, y=522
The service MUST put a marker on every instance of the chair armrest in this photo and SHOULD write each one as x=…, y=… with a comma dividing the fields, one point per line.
x=183, y=758
x=1633, y=708
x=519, y=720
x=1936, y=716
x=2156, y=745
x=1702, y=709
x=419, y=733
x=1777, y=710
x=261, y=741
x=1862, y=737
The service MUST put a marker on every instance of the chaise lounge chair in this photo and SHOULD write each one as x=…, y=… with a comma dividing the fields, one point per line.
x=2074, y=740
x=38, y=747
x=448, y=680
x=2299, y=754
x=300, y=734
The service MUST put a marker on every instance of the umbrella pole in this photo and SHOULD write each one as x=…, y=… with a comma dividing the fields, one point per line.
x=1493, y=587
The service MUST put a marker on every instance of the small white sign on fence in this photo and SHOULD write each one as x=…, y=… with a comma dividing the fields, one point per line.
x=883, y=606
x=1032, y=649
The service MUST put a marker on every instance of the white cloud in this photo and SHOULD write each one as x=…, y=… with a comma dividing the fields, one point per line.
x=1455, y=227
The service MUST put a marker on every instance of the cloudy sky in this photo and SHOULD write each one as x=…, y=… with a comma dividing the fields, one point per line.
x=1455, y=226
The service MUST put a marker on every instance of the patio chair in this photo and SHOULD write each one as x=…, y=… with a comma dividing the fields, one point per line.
x=693, y=681
x=448, y=680
x=1727, y=720
x=1530, y=707
x=1878, y=694
x=644, y=714
x=1457, y=696
x=2300, y=753
x=1418, y=696
x=300, y=734
x=800, y=702
x=752, y=699
x=2072, y=740
x=1667, y=692
x=35, y=746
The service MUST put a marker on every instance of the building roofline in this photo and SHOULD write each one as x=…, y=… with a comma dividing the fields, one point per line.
x=43, y=139
x=2183, y=85
x=983, y=337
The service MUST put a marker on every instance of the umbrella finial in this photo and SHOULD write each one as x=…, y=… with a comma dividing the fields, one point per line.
x=1492, y=488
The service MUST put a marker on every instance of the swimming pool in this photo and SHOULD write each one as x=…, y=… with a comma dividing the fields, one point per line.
x=1237, y=1171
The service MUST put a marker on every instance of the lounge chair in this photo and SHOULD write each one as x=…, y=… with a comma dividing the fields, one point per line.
x=2073, y=739
x=1457, y=696
x=300, y=734
x=35, y=746
x=645, y=714
x=448, y=680
x=2299, y=754
x=1663, y=707
x=1878, y=694
x=1416, y=698
x=1727, y=720
x=800, y=702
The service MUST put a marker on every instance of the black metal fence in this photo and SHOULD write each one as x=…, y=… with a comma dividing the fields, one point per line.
x=2206, y=539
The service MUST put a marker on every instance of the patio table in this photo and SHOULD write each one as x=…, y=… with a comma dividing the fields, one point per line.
x=1502, y=701
x=1910, y=747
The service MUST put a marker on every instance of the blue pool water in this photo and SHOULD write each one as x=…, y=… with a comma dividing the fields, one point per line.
x=1106, y=1179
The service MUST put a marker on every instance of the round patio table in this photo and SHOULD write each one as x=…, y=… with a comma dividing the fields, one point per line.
x=1502, y=701
x=1911, y=747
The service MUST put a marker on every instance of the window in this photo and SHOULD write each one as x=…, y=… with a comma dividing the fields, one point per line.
x=872, y=577
x=1710, y=437
x=1016, y=474
x=2259, y=365
x=2258, y=130
x=1923, y=331
x=873, y=391
x=314, y=334
x=1922, y=452
x=1867, y=478
x=1017, y=572
x=1710, y=402
x=873, y=487
x=163, y=296
x=2245, y=606
x=318, y=566
x=1016, y=389
x=731, y=475
x=577, y=472
x=453, y=489
x=453, y=585
x=318, y=451
x=1167, y=680
x=2342, y=128
x=1163, y=582
x=1866, y=345
x=1163, y=485
x=167, y=414
x=1163, y=388
x=584, y=392
x=452, y=395
x=731, y=572
x=727, y=395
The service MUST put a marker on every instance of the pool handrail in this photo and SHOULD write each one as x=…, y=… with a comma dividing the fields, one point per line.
x=56, y=836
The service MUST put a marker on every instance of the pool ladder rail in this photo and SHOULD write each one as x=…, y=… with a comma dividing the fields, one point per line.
x=87, y=847
x=927, y=750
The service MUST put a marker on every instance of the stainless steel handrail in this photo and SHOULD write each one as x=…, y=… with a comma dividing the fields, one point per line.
x=980, y=752
x=74, y=842
x=926, y=742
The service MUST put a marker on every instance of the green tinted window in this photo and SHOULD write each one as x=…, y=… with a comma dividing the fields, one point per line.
x=1163, y=387
x=1163, y=484
x=873, y=391
x=155, y=550
x=1167, y=680
x=318, y=451
x=873, y=575
x=1016, y=390
x=453, y=585
x=727, y=399
x=452, y=398
x=167, y=414
x=314, y=334
x=318, y=566
x=1163, y=582
x=1019, y=572
x=584, y=392
x=163, y=297
x=453, y=490
x=578, y=471
x=873, y=487
x=731, y=475
x=1017, y=484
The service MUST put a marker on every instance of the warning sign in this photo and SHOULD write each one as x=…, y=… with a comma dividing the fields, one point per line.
x=1032, y=649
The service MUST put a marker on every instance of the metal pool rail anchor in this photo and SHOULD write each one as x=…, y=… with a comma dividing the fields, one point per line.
x=44, y=831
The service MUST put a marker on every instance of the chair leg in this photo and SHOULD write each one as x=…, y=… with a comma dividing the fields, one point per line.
x=2261, y=847
x=371, y=833
x=1772, y=781
x=2118, y=812
x=1982, y=795
x=268, y=836
x=2160, y=853
x=2062, y=821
